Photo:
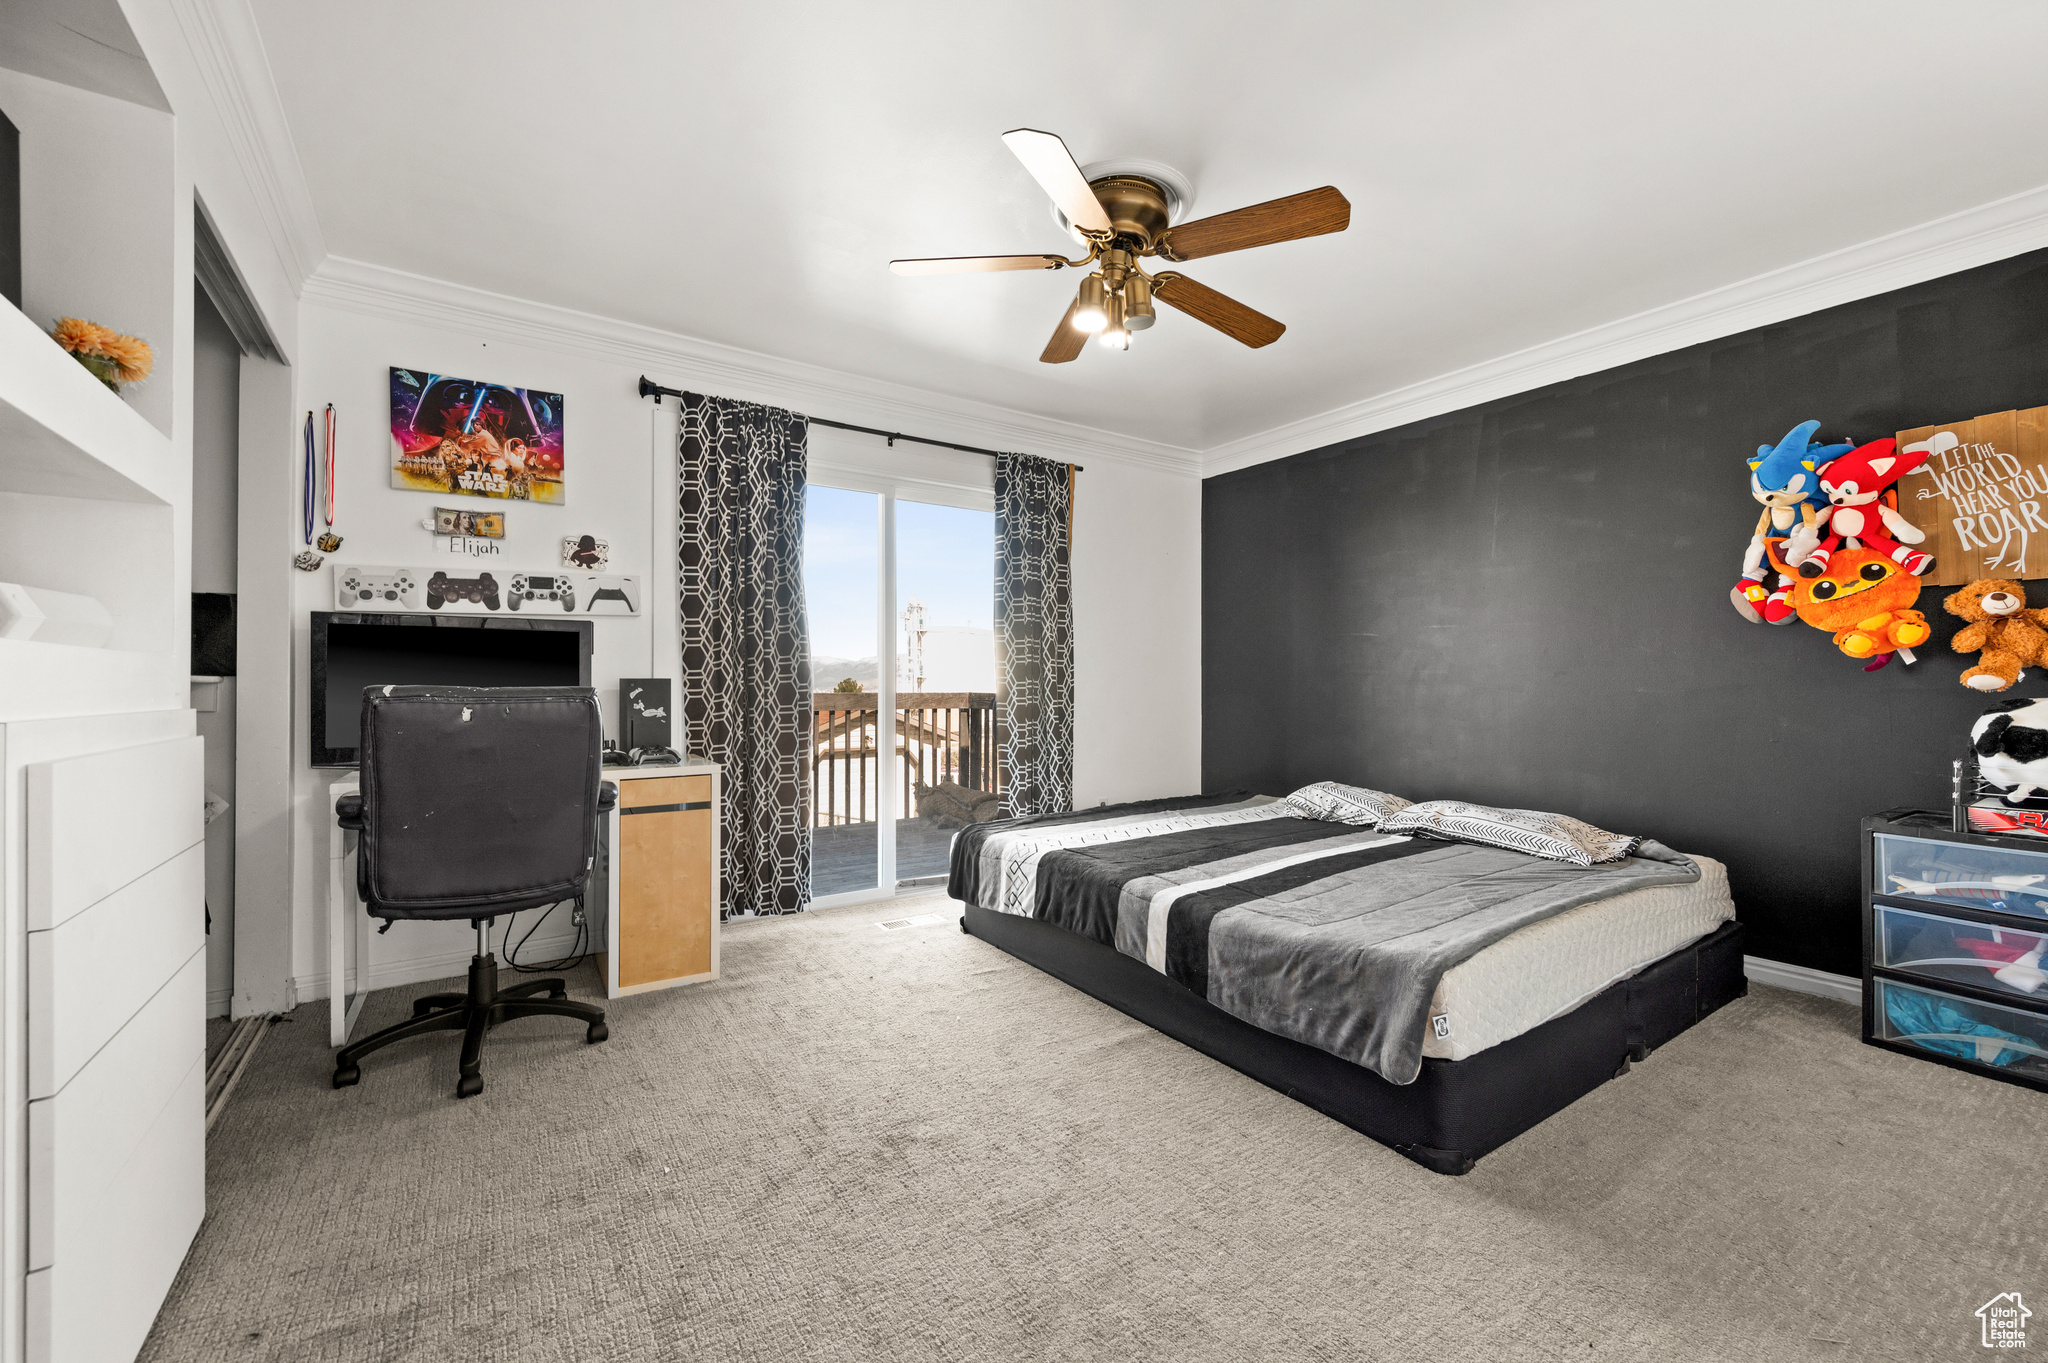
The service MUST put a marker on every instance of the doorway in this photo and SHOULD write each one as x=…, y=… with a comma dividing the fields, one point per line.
x=216, y=475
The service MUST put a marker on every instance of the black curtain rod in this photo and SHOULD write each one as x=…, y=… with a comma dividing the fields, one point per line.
x=650, y=389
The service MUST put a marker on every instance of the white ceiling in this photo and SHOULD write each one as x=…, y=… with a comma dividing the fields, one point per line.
x=1518, y=172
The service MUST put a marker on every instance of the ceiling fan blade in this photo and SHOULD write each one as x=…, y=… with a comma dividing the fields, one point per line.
x=1220, y=311
x=975, y=264
x=1310, y=214
x=1053, y=166
x=1066, y=342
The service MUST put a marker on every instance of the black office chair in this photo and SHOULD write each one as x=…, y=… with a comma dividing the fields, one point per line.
x=475, y=801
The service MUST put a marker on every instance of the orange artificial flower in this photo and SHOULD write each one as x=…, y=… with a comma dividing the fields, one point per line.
x=131, y=356
x=79, y=336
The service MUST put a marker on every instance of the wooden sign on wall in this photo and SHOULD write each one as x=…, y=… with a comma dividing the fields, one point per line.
x=1982, y=497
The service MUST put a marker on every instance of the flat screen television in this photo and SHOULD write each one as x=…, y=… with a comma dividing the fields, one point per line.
x=351, y=652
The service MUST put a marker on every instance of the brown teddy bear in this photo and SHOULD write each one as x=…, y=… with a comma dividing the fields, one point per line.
x=2010, y=635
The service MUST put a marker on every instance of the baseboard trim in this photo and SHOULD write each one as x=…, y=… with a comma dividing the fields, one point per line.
x=1803, y=979
x=439, y=966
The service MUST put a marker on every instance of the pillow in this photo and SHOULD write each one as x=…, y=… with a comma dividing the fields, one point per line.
x=1333, y=803
x=1554, y=837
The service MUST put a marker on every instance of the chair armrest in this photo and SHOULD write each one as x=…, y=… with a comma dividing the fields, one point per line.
x=348, y=812
x=607, y=795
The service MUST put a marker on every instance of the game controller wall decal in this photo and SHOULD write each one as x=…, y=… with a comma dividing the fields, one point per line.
x=542, y=587
x=375, y=589
x=481, y=590
x=609, y=594
x=465, y=591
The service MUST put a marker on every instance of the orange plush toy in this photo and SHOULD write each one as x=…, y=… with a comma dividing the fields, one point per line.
x=2000, y=624
x=1866, y=601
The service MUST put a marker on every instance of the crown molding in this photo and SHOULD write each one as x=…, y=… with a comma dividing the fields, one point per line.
x=1976, y=236
x=1960, y=241
x=679, y=361
x=228, y=51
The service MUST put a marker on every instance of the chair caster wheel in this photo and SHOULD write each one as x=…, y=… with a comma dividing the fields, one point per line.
x=345, y=1075
x=420, y=1008
x=598, y=1032
x=558, y=993
x=469, y=1086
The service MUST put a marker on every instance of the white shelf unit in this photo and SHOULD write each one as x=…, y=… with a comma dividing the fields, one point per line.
x=102, y=909
x=88, y=490
x=63, y=434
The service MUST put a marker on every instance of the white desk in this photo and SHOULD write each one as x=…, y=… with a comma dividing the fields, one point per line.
x=346, y=919
x=344, y=910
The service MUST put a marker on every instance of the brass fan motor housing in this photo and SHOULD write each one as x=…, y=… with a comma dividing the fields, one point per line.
x=1136, y=208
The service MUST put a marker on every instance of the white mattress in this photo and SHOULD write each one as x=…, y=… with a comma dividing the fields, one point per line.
x=1549, y=968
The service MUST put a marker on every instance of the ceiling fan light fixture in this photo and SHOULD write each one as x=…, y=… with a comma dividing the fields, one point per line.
x=1115, y=336
x=1125, y=212
x=1091, y=310
x=1138, y=312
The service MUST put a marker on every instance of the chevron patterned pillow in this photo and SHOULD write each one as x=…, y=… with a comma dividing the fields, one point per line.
x=1555, y=837
x=1333, y=803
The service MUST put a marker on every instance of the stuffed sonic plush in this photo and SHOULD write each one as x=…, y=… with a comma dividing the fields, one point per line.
x=1786, y=478
x=2012, y=748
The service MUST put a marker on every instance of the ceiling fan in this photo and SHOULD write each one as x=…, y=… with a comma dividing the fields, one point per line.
x=1124, y=217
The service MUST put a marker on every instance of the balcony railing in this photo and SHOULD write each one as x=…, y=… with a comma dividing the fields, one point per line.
x=940, y=736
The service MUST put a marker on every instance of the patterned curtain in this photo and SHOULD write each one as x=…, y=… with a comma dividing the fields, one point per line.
x=1034, y=635
x=746, y=640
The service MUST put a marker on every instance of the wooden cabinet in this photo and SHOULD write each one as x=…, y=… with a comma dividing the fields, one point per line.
x=658, y=892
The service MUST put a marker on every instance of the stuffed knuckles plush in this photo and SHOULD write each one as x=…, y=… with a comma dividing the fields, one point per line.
x=1999, y=623
x=2012, y=748
x=1859, y=511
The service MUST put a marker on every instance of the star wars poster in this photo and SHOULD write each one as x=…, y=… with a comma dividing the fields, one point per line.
x=479, y=439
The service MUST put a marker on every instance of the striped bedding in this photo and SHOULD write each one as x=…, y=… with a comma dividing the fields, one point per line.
x=1330, y=934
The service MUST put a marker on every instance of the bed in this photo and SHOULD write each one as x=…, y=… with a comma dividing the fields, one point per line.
x=1436, y=995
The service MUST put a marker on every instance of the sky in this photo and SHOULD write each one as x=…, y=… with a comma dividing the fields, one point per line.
x=945, y=556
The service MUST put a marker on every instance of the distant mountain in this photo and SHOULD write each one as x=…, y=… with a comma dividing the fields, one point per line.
x=826, y=673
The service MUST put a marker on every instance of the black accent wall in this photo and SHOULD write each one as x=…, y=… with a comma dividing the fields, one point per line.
x=1526, y=603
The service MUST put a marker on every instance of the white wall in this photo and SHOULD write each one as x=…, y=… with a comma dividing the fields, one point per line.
x=609, y=440
x=1136, y=559
x=1137, y=567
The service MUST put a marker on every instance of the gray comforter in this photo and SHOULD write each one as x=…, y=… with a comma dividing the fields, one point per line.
x=1332, y=935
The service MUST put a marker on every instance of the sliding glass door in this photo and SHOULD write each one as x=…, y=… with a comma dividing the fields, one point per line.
x=946, y=703
x=842, y=572
x=901, y=595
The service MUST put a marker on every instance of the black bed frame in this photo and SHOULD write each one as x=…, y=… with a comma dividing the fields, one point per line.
x=1456, y=1110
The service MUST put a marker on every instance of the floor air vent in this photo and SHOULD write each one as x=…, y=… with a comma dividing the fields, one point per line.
x=923, y=920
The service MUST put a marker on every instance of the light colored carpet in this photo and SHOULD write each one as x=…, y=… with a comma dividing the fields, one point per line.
x=907, y=1145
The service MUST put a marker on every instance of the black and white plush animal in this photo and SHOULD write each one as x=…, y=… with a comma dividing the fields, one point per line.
x=2012, y=748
